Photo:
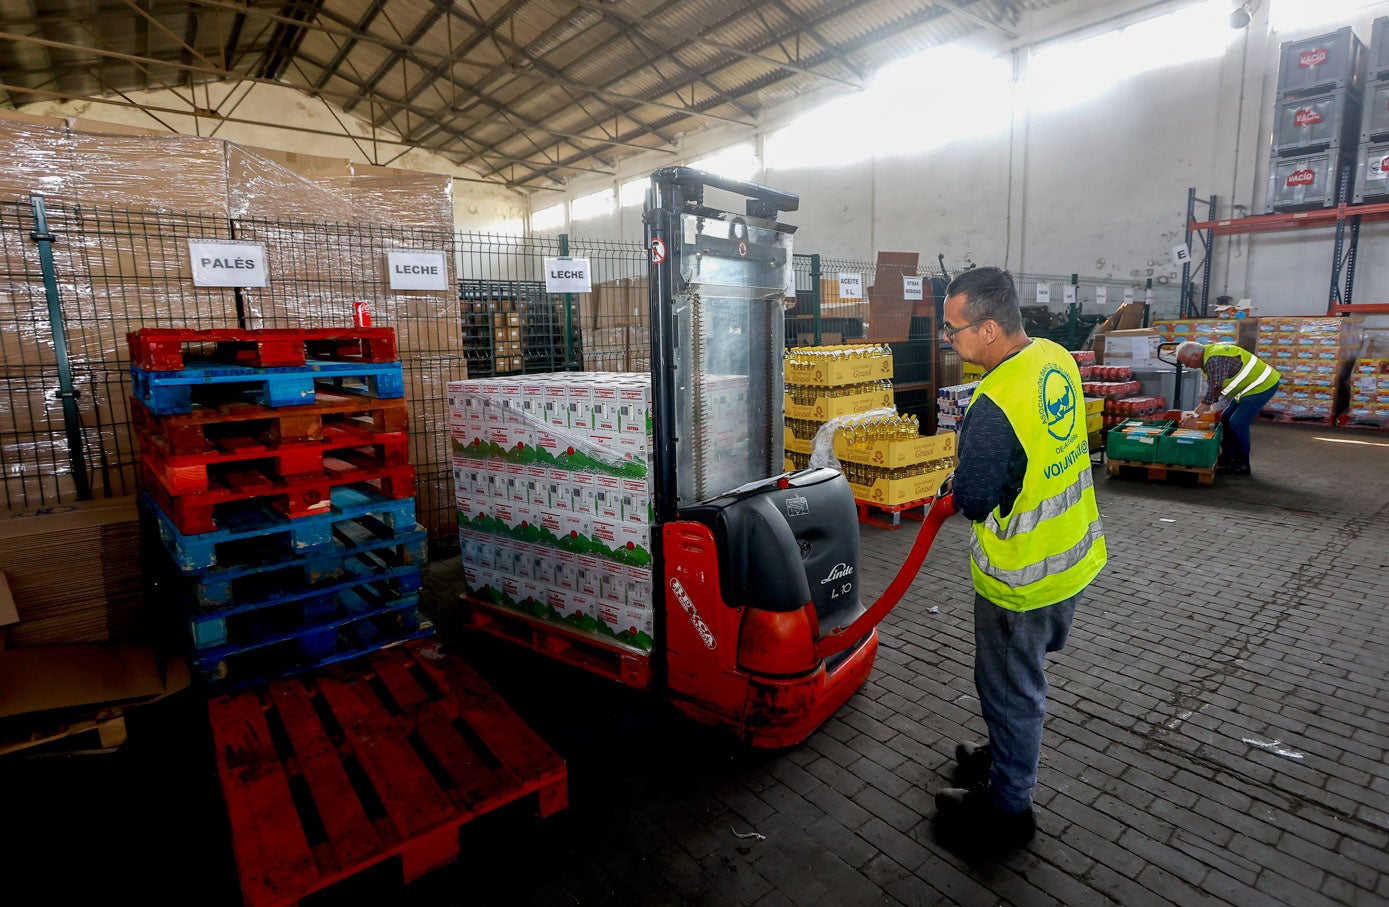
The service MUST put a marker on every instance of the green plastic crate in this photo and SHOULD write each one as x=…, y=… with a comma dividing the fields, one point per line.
x=1178, y=449
x=1122, y=443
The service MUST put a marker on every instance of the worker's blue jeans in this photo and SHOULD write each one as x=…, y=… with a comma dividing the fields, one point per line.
x=1237, y=417
x=1010, y=648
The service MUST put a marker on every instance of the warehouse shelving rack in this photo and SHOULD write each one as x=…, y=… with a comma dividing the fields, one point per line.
x=1345, y=248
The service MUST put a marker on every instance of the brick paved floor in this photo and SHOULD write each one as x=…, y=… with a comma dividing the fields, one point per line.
x=1217, y=734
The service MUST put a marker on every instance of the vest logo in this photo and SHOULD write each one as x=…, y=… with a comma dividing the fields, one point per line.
x=1306, y=117
x=1312, y=57
x=1302, y=177
x=1057, y=401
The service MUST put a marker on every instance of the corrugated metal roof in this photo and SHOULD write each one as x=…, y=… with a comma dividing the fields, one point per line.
x=528, y=92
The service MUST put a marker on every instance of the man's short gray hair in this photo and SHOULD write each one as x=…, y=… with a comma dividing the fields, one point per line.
x=1187, y=347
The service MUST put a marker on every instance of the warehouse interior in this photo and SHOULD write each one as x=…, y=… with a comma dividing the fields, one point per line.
x=383, y=379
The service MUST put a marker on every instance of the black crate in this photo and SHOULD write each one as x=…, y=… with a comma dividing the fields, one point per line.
x=1315, y=122
x=1307, y=181
x=1321, y=63
x=1375, y=119
x=1372, y=174
x=1379, y=49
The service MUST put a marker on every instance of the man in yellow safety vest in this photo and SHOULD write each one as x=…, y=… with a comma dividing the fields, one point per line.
x=1024, y=481
x=1244, y=383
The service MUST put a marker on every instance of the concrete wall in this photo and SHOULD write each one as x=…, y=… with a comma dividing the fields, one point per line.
x=477, y=205
x=1098, y=188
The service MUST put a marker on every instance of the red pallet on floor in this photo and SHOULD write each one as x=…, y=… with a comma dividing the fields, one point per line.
x=381, y=757
x=890, y=516
x=162, y=349
x=197, y=472
x=612, y=660
x=195, y=513
x=204, y=428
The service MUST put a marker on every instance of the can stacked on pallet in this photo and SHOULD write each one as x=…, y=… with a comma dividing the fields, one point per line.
x=1372, y=170
x=278, y=503
x=552, y=476
x=1310, y=353
x=1321, y=90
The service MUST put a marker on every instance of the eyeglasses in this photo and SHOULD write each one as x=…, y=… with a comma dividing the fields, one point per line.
x=949, y=333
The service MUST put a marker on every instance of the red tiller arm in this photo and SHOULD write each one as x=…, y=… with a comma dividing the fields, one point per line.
x=841, y=638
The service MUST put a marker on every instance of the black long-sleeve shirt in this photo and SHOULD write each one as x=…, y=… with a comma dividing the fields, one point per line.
x=992, y=462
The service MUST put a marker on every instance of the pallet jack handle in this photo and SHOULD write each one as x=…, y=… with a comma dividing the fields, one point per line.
x=841, y=638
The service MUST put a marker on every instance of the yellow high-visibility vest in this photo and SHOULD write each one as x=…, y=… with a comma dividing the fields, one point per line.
x=1051, y=544
x=1254, y=377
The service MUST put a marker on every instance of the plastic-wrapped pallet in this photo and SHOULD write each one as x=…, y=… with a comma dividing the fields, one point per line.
x=552, y=476
x=1310, y=353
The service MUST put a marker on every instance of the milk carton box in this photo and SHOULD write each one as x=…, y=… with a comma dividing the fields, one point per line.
x=607, y=497
x=583, y=484
x=557, y=405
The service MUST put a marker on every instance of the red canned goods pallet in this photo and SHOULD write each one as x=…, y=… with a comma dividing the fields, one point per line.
x=300, y=497
x=168, y=349
x=192, y=473
x=612, y=660
x=385, y=757
x=206, y=426
x=890, y=516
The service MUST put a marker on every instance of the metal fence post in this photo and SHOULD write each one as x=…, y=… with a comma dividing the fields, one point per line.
x=815, y=292
x=71, y=422
x=569, y=364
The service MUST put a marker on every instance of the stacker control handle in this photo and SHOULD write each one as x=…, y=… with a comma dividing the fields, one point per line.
x=841, y=638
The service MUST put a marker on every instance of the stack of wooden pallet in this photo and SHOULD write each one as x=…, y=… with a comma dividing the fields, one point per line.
x=277, y=499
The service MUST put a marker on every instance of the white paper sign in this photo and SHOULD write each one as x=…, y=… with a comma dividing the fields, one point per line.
x=1069, y=294
x=222, y=263
x=417, y=270
x=1181, y=254
x=790, y=291
x=850, y=286
x=1128, y=294
x=911, y=288
x=568, y=275
x=1043, y=293
x=1101, y=295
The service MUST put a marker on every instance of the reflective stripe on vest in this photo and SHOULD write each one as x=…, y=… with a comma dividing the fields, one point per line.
x=1253, y=374
x=1051, y=507
x=1032, y=573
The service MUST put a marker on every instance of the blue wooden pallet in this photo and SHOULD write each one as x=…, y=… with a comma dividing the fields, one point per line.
x=254, y=528
x=166, y=393
x=361, y=548
x=229, y=668
x=284, y=614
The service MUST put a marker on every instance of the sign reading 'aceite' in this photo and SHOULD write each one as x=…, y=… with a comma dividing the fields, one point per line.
x=417, y=270
x=221, y=263
x=568, y=275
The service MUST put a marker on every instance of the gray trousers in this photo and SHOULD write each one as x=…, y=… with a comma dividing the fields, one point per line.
x=1010, y=648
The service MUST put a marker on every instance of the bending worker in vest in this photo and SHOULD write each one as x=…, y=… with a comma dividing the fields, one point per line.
x=1244, y=381
x=1024, y=481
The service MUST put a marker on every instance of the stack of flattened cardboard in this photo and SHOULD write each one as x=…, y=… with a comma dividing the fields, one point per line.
x=889, y=310
x=75, y=631
x=74, y=572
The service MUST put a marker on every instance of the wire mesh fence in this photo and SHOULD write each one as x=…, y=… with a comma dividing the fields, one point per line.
x=115, y=271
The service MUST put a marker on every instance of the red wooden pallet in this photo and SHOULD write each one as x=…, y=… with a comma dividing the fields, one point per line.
x=194, y=513
x=390, y=755
x=612, y=660
x=202, y=429
x=162, y=349
x=890, y=516
x=197, y=472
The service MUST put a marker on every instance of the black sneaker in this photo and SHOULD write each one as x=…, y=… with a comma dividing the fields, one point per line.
x=967, y=818
x=972, y=764
x=1241, y=470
